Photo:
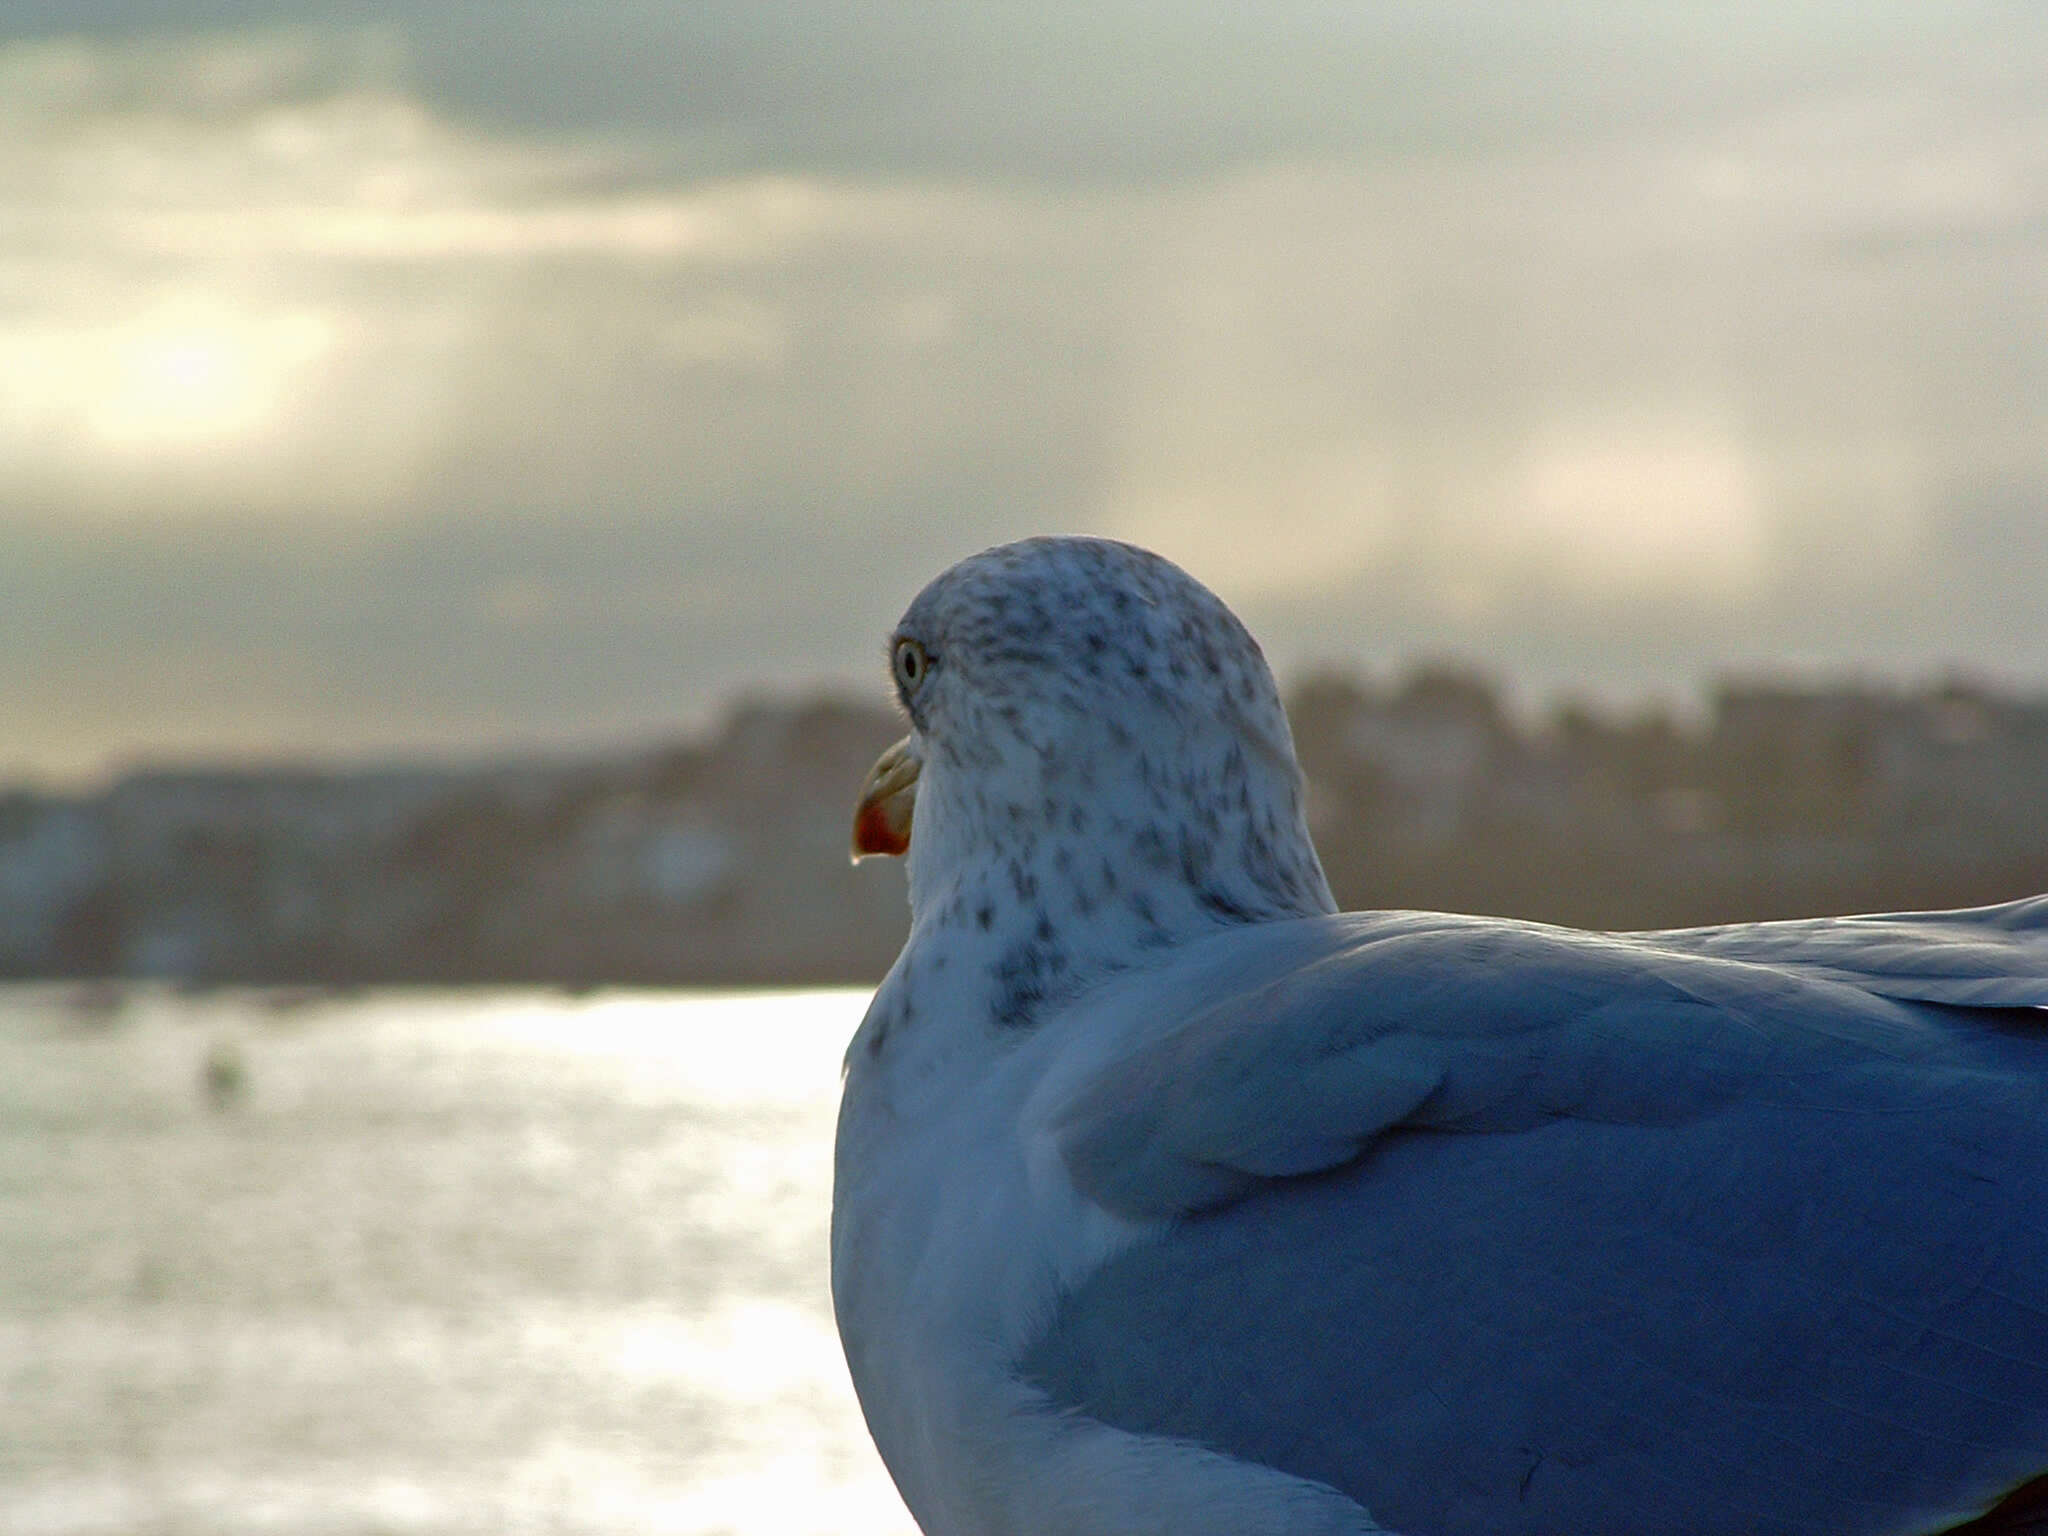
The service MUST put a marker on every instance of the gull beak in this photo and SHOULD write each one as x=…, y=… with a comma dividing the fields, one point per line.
x=881, y=822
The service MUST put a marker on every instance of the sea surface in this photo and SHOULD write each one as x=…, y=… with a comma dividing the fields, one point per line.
x=423, y=1262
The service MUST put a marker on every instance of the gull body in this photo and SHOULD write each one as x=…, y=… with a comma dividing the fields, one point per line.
x=1168, y=1199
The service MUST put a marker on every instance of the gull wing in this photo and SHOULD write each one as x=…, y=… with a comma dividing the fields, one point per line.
x=1981, y=957
x=1501, y=1228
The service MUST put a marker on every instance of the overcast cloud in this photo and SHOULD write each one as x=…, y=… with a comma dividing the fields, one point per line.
x=383, y=383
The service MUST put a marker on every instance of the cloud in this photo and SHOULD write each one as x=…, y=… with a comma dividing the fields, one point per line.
x=253, y=274
x=1654, y=510
x=1712, y=369
x=1104, y=89
x=336, y=412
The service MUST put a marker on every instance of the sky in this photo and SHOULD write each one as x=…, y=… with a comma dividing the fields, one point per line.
x=396, y=377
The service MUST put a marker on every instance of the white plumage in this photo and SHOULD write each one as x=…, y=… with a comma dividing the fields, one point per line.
x=1169, y=1200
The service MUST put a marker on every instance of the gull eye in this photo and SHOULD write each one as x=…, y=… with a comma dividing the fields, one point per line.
x=911, y=662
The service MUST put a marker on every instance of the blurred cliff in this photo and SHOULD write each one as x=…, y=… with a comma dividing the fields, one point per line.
x=723, y=860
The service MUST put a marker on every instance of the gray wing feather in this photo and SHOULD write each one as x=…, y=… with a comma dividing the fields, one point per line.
x=1982, y=957
x=1500, y=1228
x=1329, y=1032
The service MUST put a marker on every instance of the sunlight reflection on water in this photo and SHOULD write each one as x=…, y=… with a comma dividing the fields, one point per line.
x=423, y=1262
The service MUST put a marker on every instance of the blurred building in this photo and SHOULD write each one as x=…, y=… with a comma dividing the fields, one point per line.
x=715, y=861
x=1786, y=802
x=724, y=860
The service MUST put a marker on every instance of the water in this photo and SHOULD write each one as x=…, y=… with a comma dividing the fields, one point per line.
x=423, y=1262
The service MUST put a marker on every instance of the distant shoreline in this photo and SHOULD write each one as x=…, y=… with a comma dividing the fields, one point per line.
x=721, y=861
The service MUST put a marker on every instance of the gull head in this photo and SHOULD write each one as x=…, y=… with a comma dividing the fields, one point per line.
x=1095, y=738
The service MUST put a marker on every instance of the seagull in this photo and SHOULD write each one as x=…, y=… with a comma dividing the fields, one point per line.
x=1169, y=1199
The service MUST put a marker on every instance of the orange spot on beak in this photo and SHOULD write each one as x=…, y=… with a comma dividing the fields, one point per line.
x=875, y=831
x=881, y=821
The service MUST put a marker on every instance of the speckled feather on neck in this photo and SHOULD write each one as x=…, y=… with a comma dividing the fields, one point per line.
x=1107, y=771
